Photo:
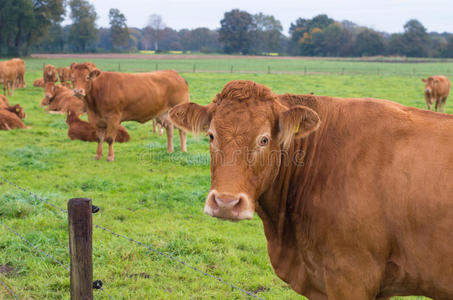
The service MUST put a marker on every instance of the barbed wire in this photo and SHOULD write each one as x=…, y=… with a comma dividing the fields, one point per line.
x=35, y=247
x=134, y=241
x=179, y=261
x=32, y=194
x=9, y=290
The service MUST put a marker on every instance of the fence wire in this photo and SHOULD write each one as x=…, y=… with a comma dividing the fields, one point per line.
x=9, y=290
x=124, y=237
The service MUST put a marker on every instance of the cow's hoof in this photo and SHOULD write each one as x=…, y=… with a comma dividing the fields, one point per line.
x=110, y=159
x=97, y=157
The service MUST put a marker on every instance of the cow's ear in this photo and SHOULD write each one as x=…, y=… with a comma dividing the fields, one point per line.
x=191, y=117
x=95, y=73
x=297, y=122
x=423, y=80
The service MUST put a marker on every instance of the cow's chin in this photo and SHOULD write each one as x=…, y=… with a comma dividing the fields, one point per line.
x=243, y=210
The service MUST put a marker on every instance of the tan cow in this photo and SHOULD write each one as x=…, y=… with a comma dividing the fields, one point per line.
x=8, y=75
x=49, y=74
x=436, y=89
x=353, y=202
x=113, y=97
x=4, y=102
x=11, y=117
x=19, y=65
x=65, y=75
x=60, y=99
x=39, y=82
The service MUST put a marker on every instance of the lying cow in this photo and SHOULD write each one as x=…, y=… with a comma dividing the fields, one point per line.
x=11, y=117
x=354, y=205
x=49, y=74
x=113, y=97
x=39, y=82
x=59, y=99
x=81, y=130
x=436, y=89
x=4, y=102
x=65, y=76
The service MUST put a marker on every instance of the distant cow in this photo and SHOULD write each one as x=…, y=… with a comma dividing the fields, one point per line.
x=81, y=130
x=353, y=202
x=8, y=75
x=436, y=89
x=11, y=117
x=113, y=97
x=39, y=82
x=61, y=99
x=19, y=65
x=49, y=74
x=64, y=74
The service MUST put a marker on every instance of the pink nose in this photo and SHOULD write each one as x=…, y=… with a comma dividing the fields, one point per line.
x=48, y=96
x=226, y=201
x=80, y=92
x=428, y=90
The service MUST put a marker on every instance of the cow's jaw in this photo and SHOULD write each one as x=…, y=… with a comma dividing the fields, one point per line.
x=227, y=206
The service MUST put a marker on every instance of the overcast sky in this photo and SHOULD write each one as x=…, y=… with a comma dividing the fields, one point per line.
x=382, y=15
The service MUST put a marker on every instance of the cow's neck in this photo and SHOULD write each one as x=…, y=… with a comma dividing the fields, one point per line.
x=285, y=209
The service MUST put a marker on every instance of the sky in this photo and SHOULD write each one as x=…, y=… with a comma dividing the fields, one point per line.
x=381, y=15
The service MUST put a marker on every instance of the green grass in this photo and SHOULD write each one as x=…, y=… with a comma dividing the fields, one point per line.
x=147, y=194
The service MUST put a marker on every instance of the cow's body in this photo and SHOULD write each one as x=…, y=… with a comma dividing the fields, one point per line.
x=19, y=66
x=8, y=74
x=437, y=89
x=39, y=82
x=60, y=99
x=81, y=130
x=49, y=74
x=11, y=117
x=359, y=208
x=4, y=103
x=116, y=97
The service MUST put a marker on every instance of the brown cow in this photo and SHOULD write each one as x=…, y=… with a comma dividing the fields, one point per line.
x=4, y=102
x=11, y=117
x=19, y=65
x=39, y=82
x=81, y=130
x=60, y=99
x=49, y=74
x=436, y=89
x=8, y=75
x=354, y=205
x=113, y=97
x=65, y=75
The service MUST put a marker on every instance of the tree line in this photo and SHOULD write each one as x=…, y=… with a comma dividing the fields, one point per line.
x=36, y=26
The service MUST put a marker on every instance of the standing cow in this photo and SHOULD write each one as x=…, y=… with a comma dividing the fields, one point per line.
x=354, y=205
x=49, y=74
x=436, y=89
x=113, y=97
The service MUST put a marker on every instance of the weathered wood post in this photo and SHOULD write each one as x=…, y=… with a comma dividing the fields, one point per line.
x=80, y=248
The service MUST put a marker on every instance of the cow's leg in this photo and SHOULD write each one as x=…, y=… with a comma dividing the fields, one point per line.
x=444, y=100
x=438, y=104
x=110, y=136
x=161, y=129
x=428, y=104
x=154, y=126
x=169, y=127
x=182, y=140
x=100, y=133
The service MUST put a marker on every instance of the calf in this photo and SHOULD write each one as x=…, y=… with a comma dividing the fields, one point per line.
x=39, y=82
x=81, y=130
x=436, y=89
x=113, y=97
x=11, y=117
x=49, y=74
x=60, y=99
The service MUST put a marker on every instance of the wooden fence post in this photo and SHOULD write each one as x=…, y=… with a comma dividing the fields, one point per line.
x=80, y=248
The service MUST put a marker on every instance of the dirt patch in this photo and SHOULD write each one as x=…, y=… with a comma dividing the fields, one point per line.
x=7, y=270
x=261, y=289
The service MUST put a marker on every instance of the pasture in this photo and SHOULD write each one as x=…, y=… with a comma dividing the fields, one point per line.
x=155, y=197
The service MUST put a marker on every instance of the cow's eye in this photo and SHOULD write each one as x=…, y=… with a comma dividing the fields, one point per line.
x=264, y=141
x=87, y=78
x=211, y=136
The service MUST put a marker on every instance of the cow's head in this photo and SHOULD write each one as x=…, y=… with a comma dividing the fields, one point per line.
x=49, y=93
x=430, y=83
x=248, y=129
x=18, y=110
x=82, y=78
x=50, y=73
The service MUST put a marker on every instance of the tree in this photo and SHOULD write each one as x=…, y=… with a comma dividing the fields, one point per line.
x=83, y=30
x=118, y=27
x=369, y=43
x=154, y=31
x=268, y=33
x=415, y=38
x=200, y=39
x=236, y=32
x=304, y=31
x=449, y=50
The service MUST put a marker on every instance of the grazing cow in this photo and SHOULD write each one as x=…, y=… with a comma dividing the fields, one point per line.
x=50, y=74
x=11, y=117
x=113, y=97
x=64, y=74
x=436, y=89
x=353, y=202
x=39, y=82
x=81, y=130
x=19, y=65
x=60, y=99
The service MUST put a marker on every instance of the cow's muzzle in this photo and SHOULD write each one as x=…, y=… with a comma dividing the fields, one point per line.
x=229, y=206
x=79, y=93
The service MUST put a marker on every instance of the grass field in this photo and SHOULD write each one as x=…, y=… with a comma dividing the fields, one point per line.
x=149, y=195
